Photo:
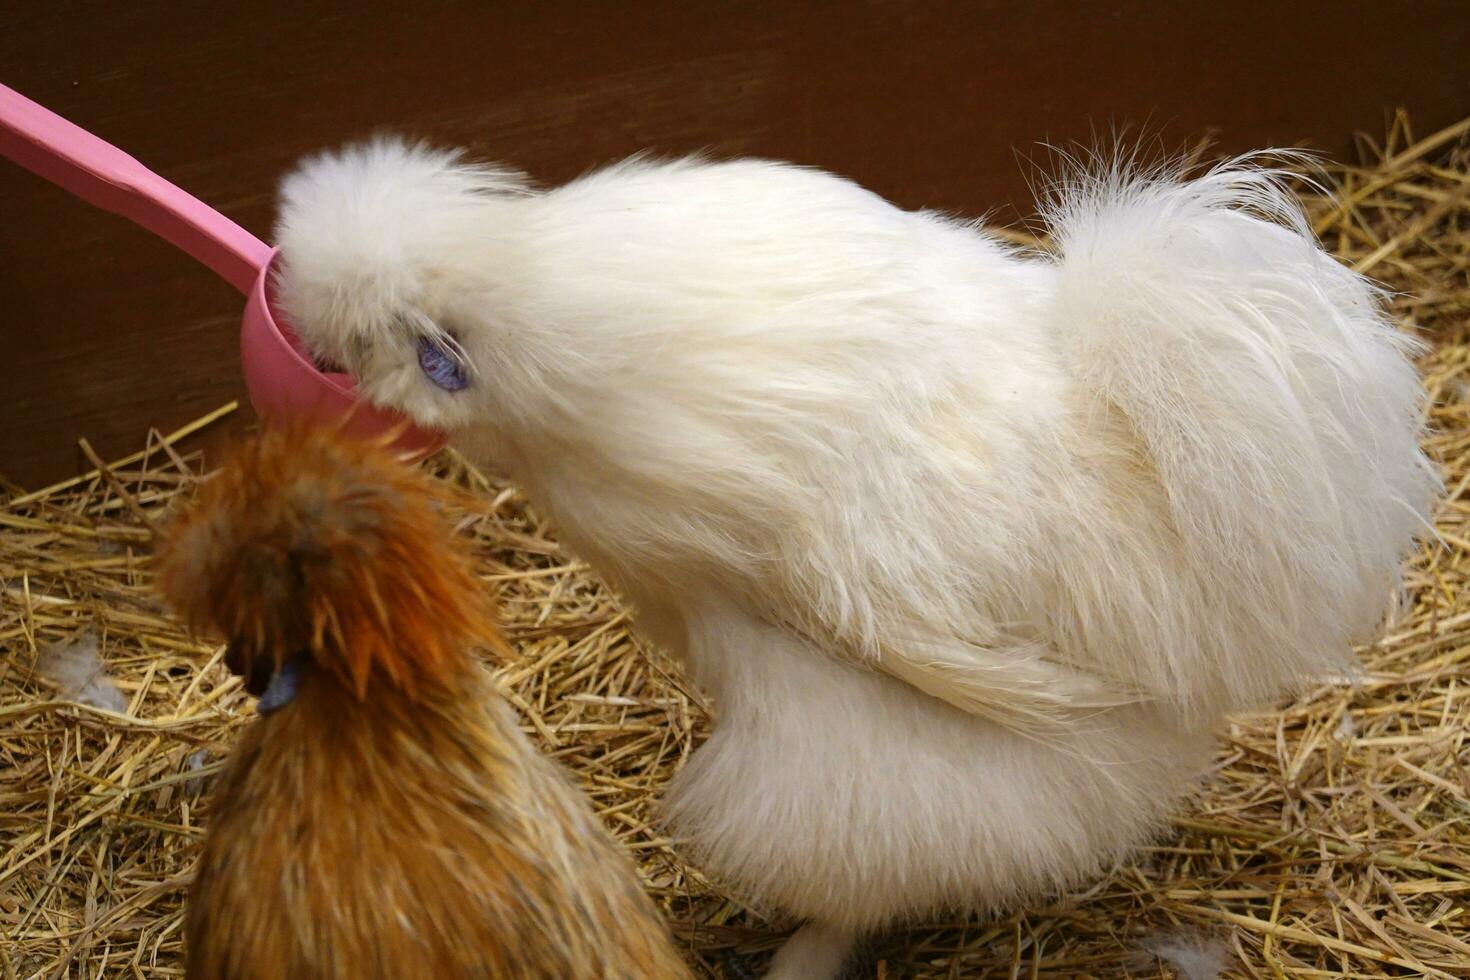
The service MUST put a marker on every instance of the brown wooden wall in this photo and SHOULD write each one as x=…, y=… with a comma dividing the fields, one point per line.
x=107, y=331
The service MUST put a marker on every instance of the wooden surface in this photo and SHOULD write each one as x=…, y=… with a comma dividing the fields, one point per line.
x=107, y=331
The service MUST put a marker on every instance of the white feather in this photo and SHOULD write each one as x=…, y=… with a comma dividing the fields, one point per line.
x=76, y=668
x=1193, y=956
x=973, y=547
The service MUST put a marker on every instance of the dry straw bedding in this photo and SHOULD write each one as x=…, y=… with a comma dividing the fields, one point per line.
x=1331, y=838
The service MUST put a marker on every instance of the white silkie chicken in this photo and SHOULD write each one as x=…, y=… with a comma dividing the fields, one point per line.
x=973, y=547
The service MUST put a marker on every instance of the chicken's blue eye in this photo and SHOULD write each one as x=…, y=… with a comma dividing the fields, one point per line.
x=440, y=366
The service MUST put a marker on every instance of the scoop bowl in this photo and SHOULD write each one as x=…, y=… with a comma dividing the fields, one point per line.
x=283, y=382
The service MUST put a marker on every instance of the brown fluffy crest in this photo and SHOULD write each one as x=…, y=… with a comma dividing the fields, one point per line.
x=309, y=539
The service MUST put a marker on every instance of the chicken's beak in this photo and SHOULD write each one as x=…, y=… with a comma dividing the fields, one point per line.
x=255, y=673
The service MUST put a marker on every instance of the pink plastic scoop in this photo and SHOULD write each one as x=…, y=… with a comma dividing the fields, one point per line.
x=280, y=376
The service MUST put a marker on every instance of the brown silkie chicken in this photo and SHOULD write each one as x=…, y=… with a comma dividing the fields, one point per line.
x=384, y=818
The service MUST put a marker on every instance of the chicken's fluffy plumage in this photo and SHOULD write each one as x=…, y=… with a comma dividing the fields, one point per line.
x=389, y=821
x=972, y=546
x=311, y=541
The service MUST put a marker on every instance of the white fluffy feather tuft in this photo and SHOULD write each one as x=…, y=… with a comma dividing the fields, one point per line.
x=1193, y=956
x=75, y=667
x=1278, y=415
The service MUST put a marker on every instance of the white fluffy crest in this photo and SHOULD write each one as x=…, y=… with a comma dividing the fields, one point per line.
x=972, y=546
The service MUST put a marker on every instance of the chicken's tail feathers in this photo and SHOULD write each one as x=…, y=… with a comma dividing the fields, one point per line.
x=1274, y=400
x=312, y=540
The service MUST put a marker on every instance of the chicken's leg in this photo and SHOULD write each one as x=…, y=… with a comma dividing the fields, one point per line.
x=814, y=952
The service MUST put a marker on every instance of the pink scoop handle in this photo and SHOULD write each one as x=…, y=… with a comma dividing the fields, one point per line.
x=102, y=175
